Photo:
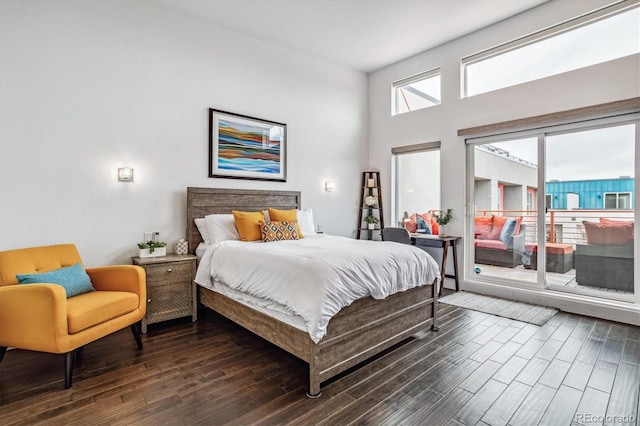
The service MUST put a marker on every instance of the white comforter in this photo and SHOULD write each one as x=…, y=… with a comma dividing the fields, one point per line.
x=318, y=275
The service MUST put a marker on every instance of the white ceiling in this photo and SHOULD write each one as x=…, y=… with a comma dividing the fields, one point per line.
x=362, y=34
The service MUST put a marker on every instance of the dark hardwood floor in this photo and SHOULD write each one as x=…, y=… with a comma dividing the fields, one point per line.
x=478, y=370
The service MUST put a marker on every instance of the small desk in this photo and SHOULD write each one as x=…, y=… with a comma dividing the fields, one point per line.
x=428, y=240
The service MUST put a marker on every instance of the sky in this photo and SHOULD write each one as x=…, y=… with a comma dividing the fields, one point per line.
x=615, y=37
x=592, y=154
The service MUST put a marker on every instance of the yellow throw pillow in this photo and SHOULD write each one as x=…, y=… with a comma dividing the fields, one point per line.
x=278, y=231
x=248, y=225
x=286, y=216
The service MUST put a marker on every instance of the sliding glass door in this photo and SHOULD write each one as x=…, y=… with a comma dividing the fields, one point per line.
x=555, y=209
x=590, y=177
x=504, y=226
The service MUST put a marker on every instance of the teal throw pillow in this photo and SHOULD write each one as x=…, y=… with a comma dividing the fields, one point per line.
x=506, y=235
x=422, y=227
x=74, y=279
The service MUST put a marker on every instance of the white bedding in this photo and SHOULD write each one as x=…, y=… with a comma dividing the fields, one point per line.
x=200, y=250
x=317, y=276
x=272, y=309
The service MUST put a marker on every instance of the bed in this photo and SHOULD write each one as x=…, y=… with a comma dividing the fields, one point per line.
x=356, y=333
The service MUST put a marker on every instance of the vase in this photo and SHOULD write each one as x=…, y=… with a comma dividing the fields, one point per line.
x=371, y=226
x=442, y=231
x=182, y=247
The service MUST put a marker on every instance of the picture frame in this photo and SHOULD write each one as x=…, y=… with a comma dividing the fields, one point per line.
x=243, y=147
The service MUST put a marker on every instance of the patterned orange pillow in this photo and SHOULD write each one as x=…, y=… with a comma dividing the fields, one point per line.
x=279, y=231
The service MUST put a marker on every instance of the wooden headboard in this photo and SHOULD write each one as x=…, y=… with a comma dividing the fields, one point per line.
x=204, y=201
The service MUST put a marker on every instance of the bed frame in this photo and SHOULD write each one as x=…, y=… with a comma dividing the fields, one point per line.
x=356, y=333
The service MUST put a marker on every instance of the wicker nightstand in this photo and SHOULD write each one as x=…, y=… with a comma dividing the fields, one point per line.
x=171, y=291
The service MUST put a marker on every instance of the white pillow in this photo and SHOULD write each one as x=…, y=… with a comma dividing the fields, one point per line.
x=305, y=222
x=202, y=227
x=221, y=227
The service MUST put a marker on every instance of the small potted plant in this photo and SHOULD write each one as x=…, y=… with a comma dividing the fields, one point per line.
x=152, y=249
x=371, y=221
x=442, y=219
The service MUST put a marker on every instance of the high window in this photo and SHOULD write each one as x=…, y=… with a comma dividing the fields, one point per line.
x=601, y=36
x=617, y=200
x=416, y=92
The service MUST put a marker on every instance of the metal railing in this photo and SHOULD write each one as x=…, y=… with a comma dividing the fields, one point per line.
x=566, y=224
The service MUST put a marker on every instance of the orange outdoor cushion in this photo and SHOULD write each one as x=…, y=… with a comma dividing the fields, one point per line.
x=620, y=223
x=557, y=248
x=435, y=228
x=518, y=223
x=412, y=225
x=491, y=244
x=551, y=248
x=483, y=227
x=608, y=233
x=498, y=223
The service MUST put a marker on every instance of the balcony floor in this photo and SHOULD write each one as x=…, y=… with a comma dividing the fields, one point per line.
x=567, y=280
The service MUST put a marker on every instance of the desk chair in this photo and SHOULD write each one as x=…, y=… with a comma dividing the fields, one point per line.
x=398, y=235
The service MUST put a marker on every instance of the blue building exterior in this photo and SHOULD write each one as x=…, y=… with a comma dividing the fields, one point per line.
x=592, y=194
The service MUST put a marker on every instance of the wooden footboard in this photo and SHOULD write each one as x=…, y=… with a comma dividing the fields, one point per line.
x=366, y=328
x=356, y=333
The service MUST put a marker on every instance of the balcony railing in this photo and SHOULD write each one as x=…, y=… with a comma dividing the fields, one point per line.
x=566, y=224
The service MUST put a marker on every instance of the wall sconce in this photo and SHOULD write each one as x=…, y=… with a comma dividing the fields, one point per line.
x=125, y=174
x=328, y=186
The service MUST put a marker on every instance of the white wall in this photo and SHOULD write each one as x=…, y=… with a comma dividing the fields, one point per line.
x=607, y=82
x=86, y=87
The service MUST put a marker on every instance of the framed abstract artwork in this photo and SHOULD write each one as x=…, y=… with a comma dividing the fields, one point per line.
x=242, y=147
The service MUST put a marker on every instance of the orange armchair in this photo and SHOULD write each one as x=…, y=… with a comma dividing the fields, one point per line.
x=40, y=317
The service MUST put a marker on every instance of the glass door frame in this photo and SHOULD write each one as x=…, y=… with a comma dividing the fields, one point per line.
x=603, y=124
x=469, y=272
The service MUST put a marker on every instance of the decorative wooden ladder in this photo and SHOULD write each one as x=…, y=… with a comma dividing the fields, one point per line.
x=370, y=188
